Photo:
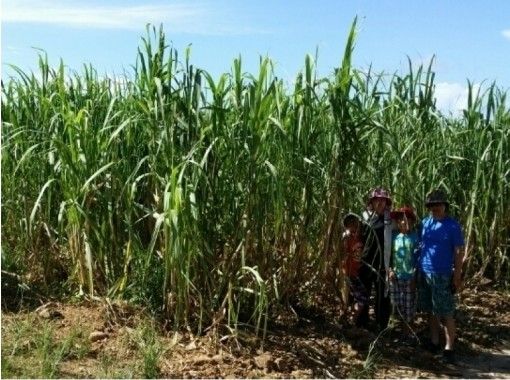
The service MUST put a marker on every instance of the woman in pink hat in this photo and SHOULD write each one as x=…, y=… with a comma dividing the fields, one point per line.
x=377, y=242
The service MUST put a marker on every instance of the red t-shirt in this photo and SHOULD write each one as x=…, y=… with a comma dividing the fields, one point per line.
x=353, y=249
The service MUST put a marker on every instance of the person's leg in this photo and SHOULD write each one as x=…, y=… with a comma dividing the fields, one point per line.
x=399, y=300
x=424, y=294
x=444, y=306
x=434, y=322
x=434, y=328
x=358, y=308
x=358, y=295
x=449, y=328
x=426, y=306
x=394, y=297
x=382, y=302
x=351, y=302
x=407, y=306
x=366, y=279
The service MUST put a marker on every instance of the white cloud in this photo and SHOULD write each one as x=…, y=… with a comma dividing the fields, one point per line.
x=97, y=16
x=14, y=49
x=452, y=97
x=177, y=17
x=506, y=33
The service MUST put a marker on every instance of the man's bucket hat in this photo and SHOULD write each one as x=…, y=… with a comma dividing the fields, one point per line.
x=436, y=197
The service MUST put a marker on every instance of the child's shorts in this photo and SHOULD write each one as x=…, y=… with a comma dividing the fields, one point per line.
x=358, y=291
x=435, y=294
x=403, y=298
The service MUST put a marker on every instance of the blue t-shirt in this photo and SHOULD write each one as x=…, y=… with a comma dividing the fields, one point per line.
x=438, y=240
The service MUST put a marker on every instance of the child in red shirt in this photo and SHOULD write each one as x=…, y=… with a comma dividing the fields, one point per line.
x=353, y=250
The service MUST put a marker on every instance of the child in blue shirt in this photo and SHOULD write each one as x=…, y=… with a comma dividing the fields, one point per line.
x=403, y=267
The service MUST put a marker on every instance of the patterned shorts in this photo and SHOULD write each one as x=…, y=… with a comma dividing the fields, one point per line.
x=403, y=299
x=435, y=295
x=358, y=290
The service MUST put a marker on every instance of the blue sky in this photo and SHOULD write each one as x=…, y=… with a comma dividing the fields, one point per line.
x=470, y=38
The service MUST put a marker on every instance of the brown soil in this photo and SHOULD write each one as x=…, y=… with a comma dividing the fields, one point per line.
x=304, y=344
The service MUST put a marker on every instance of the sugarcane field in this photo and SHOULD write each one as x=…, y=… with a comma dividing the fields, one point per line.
x=171, y=223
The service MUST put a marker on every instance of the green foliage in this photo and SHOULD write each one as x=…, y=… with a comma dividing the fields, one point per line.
x=29, y=349
x=150, y=350
x=369, y=367
x=109, y=368
x=213, y=199
x=8, y=371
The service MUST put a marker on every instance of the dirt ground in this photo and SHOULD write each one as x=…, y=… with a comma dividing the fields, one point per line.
x=112, y=340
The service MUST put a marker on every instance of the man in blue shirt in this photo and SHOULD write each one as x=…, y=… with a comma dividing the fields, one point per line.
x=440, y=270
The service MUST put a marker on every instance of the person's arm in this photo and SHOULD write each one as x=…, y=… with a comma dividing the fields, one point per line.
x=457, y=270
x=391, y=272
x=458, y=259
